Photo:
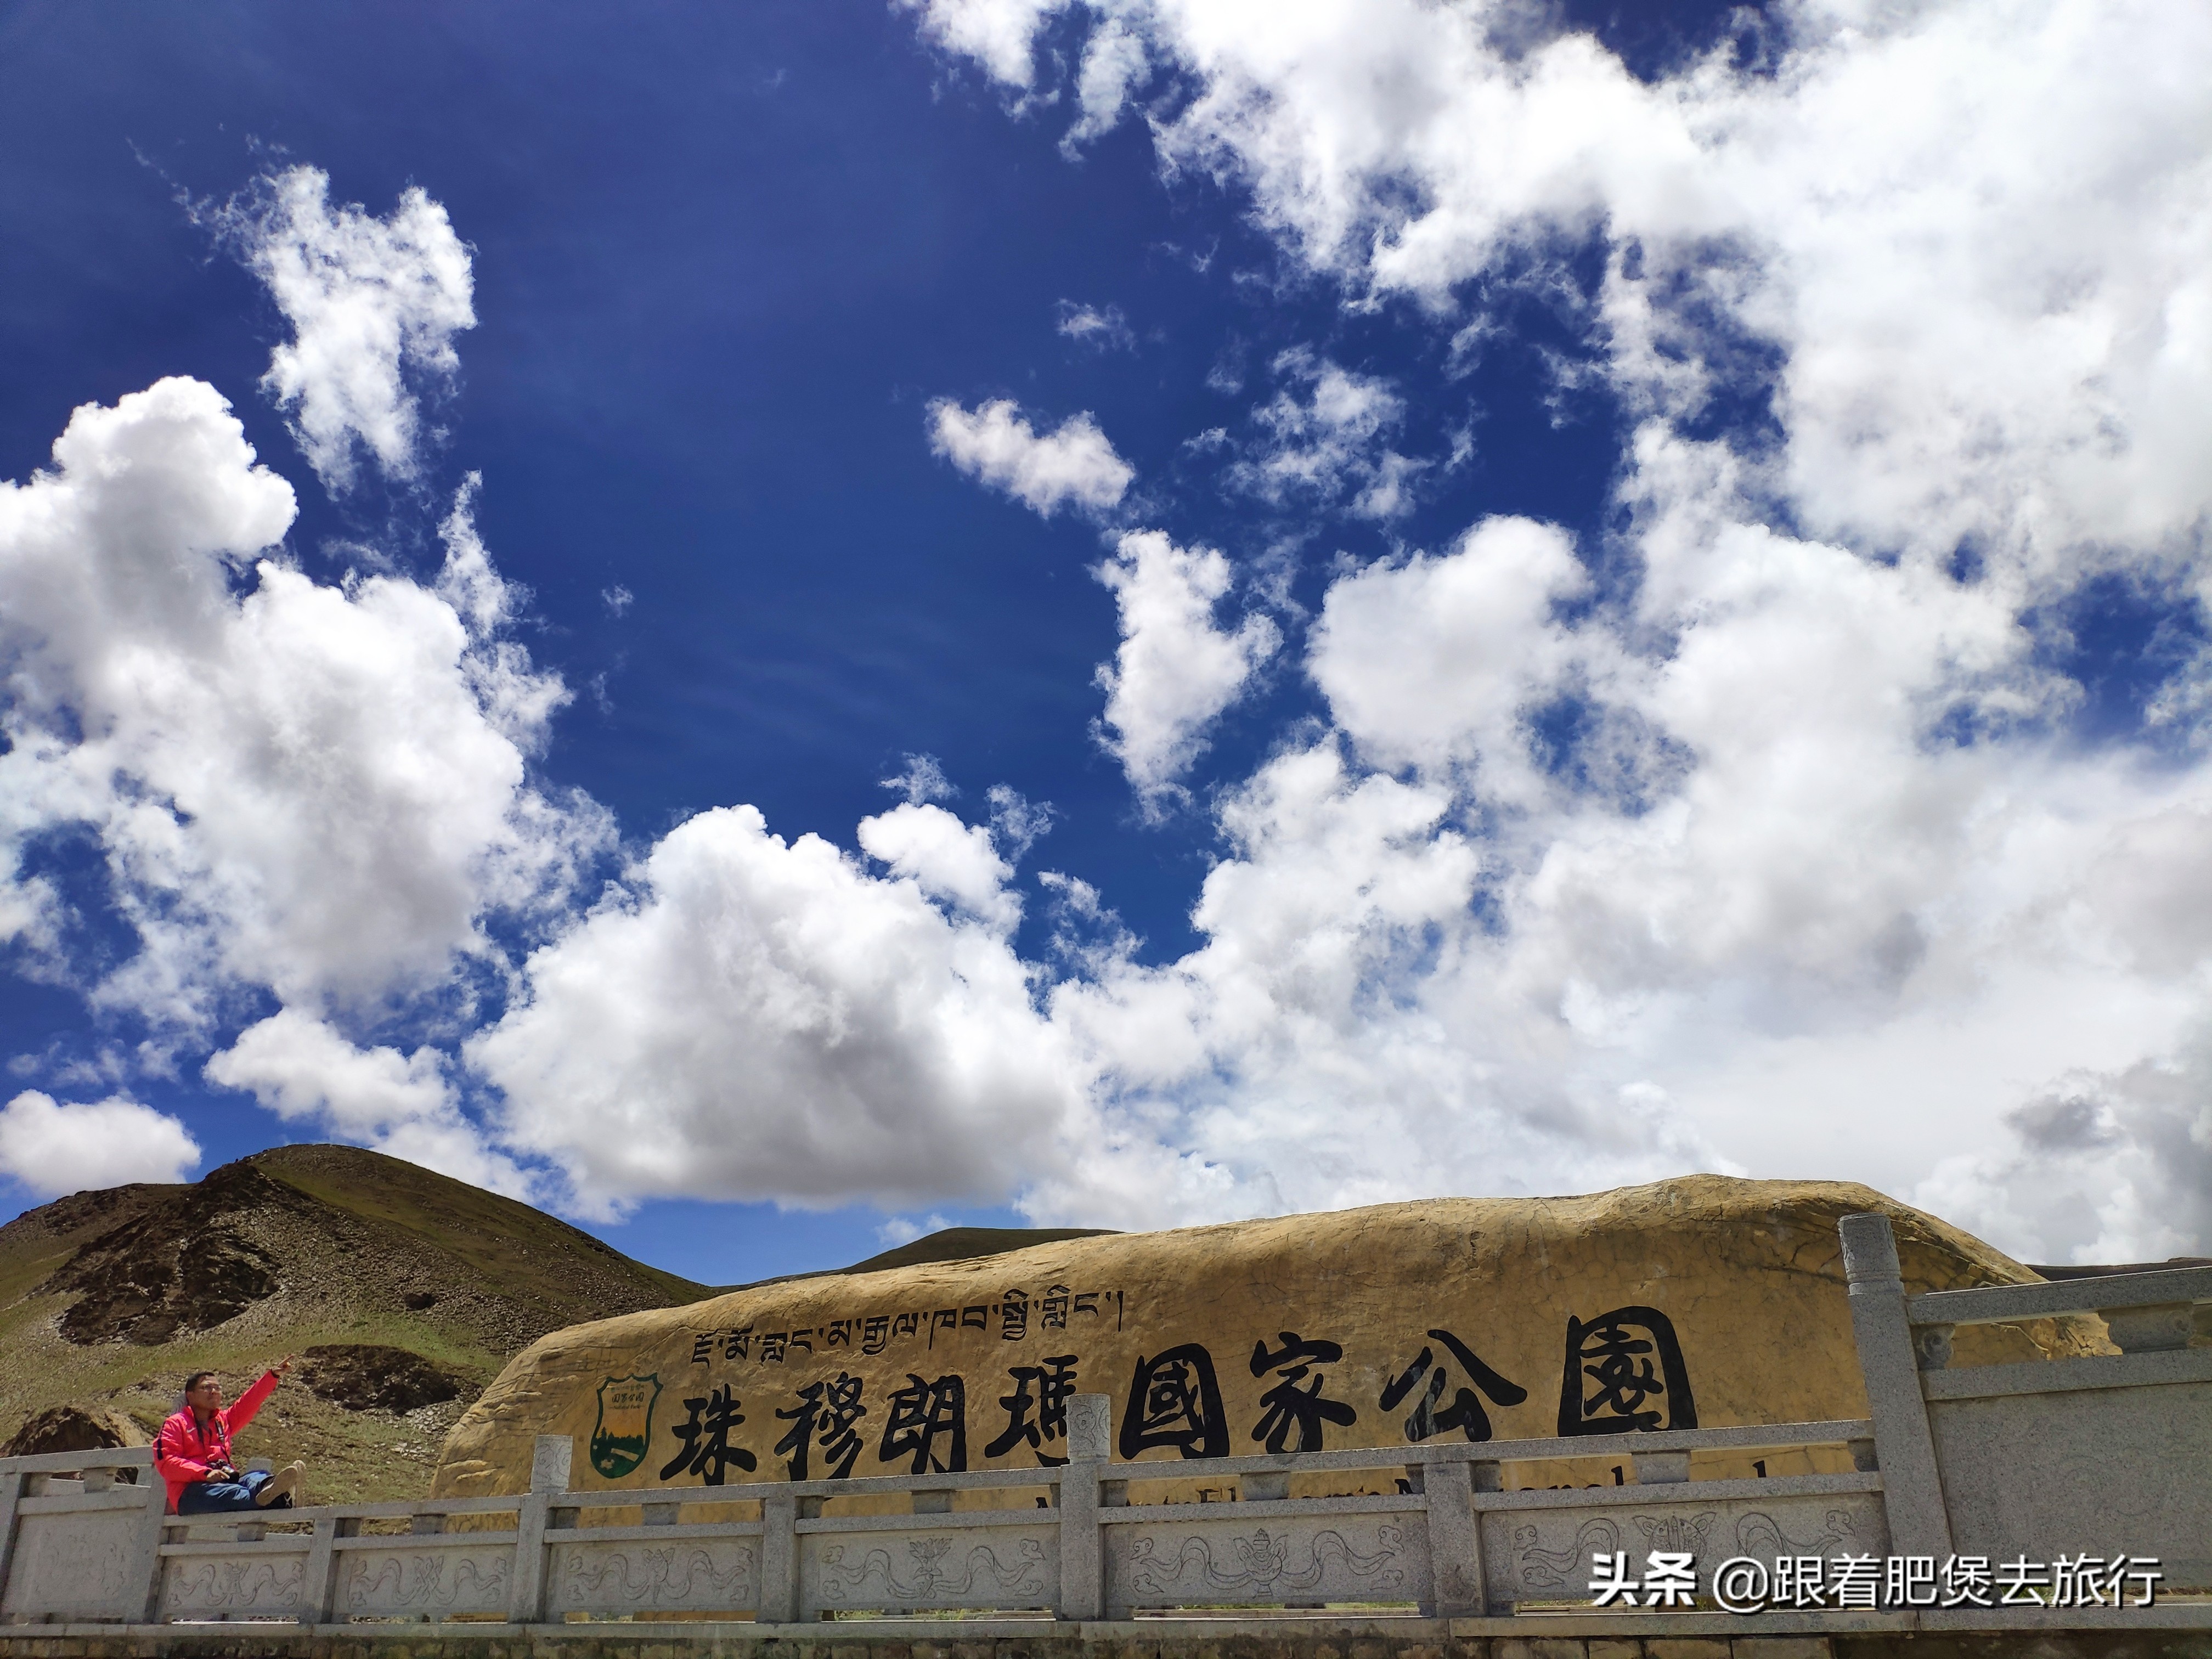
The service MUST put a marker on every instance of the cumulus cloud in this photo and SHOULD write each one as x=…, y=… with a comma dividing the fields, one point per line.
x=323, y=792
x=904, y=1230
x=1444, y=660
x=1177, y=670
x=995, y=444
x=1018, y=821
x=954, y=862
x=1349, y=1032
x=1751, y=833
x=53, y=1147
x=374, y=306
x=307, y=1071
x=319, y=791
x=1983, y=270
x=996, y=34
x=2112, y=1167
x=748, y=1017
x=1783, y=825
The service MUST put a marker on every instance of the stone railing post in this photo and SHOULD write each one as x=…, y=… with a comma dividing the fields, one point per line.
x=1082, y=1554
x=13, y=1483
x=779, y=1560
x=550, y=1460
x=1912, y=1486
x=1454, y=1540
x=146, y=1548
x=318, y=1578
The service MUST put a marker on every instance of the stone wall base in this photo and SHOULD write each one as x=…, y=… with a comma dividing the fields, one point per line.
x=1149, y=1638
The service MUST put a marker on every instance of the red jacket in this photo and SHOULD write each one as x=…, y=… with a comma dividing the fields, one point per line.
x=184, y=1452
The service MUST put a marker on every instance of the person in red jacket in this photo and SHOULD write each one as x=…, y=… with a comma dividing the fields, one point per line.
x=192, y=1451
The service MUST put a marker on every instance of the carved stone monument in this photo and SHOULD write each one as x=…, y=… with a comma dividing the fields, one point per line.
x=1702, y=1302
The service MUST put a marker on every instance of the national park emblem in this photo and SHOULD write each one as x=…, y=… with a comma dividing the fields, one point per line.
x=625, y=1425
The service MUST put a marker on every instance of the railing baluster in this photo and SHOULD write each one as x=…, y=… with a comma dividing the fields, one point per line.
x=1912, y=1489
x=317, y=1578
x=13, y=1485
x=2161, y=1327
x=549, y=1463
x=1457, y=1587
x=1082, y=1543
x=1660, y=1468
x=146, y=1547
x=779, y=1559
x=1931, y=1346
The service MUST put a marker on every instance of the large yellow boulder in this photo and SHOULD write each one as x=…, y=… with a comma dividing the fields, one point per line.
x=1694, y=1303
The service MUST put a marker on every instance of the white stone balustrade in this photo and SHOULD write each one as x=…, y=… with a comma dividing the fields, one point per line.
x=2110, y=1453
x=2107, y=1453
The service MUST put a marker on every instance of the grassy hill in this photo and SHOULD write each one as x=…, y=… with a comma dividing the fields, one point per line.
x=402, y=1292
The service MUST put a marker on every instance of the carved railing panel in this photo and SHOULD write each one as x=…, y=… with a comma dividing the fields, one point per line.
x=909, y=1567
x=1187, y=1555
x=1537, y=1546
x=403, y=1578
x=609, y=1577
x=252, y=1582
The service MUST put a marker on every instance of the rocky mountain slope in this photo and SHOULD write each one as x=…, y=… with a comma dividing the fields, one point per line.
x=402, y=1291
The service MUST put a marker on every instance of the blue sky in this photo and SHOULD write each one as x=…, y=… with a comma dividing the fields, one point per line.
x=1466, y=598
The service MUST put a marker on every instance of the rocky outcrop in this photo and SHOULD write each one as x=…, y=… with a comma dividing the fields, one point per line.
x=188, y=1264
x=1691, y=1303
x=73, y=1428
x=364, y=1376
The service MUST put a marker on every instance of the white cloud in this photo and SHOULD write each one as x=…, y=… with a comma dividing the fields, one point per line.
x=1113, y=66
x=1329, y=444
x=370, y=301
x=749, y=1019
x=1771, y=850
x=1018, y=822
x=1349, y=1032
x=304, y=1071
x=321, y=791
x=954, y=862
x=1980, y=241
x=53, y=1147
x=2100, y=1168
x=995, y=444
x=1776, y=847
x=1439, y=660
x=996, y=34
x=921, y=779
x=902, y=1230
x=1175, y=670
x=1106, y=329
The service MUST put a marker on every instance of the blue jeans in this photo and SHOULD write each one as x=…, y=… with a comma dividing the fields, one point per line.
x=215, y=1496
